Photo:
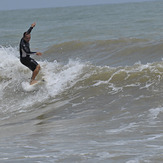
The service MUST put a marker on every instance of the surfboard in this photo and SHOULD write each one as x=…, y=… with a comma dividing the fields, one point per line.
x=29, y=88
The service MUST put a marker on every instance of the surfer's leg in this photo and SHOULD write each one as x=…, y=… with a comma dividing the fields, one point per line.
x=34, y=74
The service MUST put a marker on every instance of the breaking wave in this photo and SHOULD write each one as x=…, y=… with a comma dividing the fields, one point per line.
x=69, y=79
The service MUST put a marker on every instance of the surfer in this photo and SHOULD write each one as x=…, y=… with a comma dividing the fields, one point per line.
x=25, y=53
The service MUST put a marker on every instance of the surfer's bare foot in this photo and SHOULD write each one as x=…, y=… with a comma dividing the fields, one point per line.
x=33, y=82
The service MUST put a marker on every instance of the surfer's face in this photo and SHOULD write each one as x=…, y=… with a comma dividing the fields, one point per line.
x=27, y=38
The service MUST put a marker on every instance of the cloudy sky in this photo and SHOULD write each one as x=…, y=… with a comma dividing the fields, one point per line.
x=26, y=4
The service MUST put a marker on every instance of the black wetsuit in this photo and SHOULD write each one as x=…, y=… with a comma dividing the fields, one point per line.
x=25, y=53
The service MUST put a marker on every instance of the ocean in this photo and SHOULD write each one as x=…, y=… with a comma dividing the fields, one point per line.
x=102, y=99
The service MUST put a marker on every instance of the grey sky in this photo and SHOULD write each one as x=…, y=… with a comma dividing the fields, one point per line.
x=25, y=4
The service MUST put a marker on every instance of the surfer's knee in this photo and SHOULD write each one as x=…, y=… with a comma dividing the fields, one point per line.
x=38, y=67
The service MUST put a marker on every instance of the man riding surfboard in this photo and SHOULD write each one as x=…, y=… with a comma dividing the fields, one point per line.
x=25, y=53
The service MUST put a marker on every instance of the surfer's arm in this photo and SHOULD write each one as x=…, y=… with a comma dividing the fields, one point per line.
x=30, y=29
x=27, y=50
x=25, y=47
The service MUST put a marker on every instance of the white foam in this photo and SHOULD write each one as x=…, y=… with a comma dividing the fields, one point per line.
x=27, y=87
x=155, y=112
x=124, y=128
x=123, y=77
x=60, y=77
x=133, y=161
x=10, y=65
x=105, y=155
x=15, y=78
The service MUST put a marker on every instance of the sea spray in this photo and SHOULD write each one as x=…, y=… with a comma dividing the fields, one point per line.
x=15, y=79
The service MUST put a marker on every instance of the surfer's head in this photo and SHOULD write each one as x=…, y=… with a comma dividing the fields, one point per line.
x=27, y=36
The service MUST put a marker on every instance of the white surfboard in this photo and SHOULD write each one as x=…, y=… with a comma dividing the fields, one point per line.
x=29, y=88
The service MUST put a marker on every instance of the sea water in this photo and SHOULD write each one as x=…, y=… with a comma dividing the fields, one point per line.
x=102, y=96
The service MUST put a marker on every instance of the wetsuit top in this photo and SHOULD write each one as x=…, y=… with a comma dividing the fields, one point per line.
x=25, y=47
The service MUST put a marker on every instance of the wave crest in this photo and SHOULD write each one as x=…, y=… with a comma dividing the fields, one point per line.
x=118, y=52
x=68, y=80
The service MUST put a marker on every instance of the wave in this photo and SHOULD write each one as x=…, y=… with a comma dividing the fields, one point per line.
x=76, y=45
x=15, y=97
x=72, y=80
x=136, y=45
x=118, y=52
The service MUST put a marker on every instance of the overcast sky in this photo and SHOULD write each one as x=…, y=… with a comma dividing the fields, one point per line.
x=28, y=4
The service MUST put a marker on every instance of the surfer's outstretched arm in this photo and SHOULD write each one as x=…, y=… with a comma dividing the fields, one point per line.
x=30, y=29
